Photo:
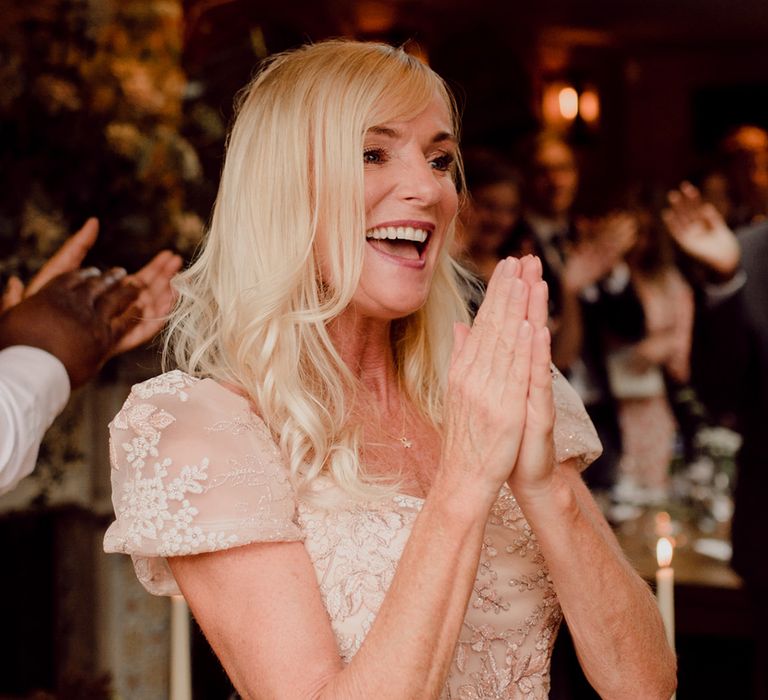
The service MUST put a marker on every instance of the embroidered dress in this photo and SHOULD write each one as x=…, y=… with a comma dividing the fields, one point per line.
x=195, y=470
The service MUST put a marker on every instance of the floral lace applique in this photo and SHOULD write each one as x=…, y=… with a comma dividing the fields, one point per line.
x=505, y=645
x=164, y=467
x=498, y=654
x=355, y=550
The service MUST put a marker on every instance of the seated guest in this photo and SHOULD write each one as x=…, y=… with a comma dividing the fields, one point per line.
x=359, y=495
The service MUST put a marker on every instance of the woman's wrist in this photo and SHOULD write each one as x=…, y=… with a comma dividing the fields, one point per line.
x=462, y=502
x=549, y=498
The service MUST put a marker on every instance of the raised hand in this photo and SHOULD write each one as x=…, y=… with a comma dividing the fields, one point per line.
x=146, y=316
x=604, y=242
x=77, y=317
x=700, y=231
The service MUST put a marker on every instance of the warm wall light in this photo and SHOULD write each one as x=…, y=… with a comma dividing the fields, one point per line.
x=550, y=107
x=562, y=103
x=568, y=102
x=589, y=105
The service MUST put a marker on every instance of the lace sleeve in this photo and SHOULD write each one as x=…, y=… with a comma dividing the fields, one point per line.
x=193, y=470
x=575, y=436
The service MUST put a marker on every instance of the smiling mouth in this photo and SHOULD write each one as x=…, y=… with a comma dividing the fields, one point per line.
x=401, y=241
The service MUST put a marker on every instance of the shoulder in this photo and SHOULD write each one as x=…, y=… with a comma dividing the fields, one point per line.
x=175, y=395
x=754, y=246
x=177, y=387
x=576, y=439
x=183, y=415
x=755, y=236
x=194, y=469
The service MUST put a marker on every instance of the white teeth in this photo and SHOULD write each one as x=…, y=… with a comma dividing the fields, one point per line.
x=403, y=233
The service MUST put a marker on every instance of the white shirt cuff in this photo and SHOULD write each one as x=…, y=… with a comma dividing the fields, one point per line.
x=715, y=293
x=34, y=389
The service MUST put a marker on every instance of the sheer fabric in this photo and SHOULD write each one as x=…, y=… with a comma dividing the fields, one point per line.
x=195, y=470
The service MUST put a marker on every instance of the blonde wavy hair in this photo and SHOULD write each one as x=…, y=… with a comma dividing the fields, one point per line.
x=253, y=308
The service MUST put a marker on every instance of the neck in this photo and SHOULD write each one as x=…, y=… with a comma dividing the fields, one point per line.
x=364, y=345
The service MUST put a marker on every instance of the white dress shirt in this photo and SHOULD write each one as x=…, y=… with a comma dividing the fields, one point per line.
x=34, y=388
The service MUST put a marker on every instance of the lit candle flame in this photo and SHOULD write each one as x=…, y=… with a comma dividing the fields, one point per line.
x=664, y=552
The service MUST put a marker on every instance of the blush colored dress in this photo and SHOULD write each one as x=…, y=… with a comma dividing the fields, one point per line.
x=194, y=469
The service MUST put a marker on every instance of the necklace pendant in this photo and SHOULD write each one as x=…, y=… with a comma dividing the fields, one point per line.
x=406, y=443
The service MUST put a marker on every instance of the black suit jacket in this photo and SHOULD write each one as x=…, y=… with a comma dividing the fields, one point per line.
x=730, y=365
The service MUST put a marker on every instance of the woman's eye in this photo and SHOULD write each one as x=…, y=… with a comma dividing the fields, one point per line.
x=443, y=163
x=373, y=156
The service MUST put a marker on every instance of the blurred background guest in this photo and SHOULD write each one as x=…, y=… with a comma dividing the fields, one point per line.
x=491, y=216
x=593, y=303
x=639, y=372
x=730, y=361
x=744, y=152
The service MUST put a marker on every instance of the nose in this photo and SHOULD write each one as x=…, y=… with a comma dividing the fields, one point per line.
x=419, y=181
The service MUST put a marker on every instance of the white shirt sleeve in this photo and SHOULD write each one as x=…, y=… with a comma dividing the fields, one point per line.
x=34, y=388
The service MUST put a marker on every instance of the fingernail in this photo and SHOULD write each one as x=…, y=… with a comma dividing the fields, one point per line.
x=508, y=267
x=517, y=288
x=87, y=272
x=525, y=329
x=114, y=275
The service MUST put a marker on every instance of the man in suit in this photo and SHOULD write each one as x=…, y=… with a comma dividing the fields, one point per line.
x=730, y=370
x=591, y=297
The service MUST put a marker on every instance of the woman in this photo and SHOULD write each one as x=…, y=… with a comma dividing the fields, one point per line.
x=639, y=371
x=332, y=393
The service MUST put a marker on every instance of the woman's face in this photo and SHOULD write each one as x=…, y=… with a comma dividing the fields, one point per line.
x=410, y=201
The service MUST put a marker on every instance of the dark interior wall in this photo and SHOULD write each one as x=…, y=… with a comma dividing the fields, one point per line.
x=681, y=100
x=659, y=67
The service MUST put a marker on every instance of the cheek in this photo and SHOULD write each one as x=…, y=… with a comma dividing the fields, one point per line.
x=375, y=189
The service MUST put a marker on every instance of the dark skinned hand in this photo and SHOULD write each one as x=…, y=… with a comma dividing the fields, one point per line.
x=79, y=316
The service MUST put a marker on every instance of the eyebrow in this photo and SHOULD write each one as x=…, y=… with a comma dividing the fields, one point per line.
x=394, y=133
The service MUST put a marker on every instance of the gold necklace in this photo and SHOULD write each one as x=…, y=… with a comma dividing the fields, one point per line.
x=404, y=441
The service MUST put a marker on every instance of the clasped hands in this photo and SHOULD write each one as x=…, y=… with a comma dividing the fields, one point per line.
x=499, y=412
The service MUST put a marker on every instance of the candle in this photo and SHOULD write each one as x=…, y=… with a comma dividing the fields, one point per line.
x=665, y=588
x=181, y=663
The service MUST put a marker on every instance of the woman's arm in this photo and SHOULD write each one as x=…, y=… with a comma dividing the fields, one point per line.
x=260, y=605
x=261, y=610
x=612, y=616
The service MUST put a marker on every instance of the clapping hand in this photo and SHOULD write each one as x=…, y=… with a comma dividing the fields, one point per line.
x=84, y=317
x=603, y=243
x=499, y=409
x=701, y=232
